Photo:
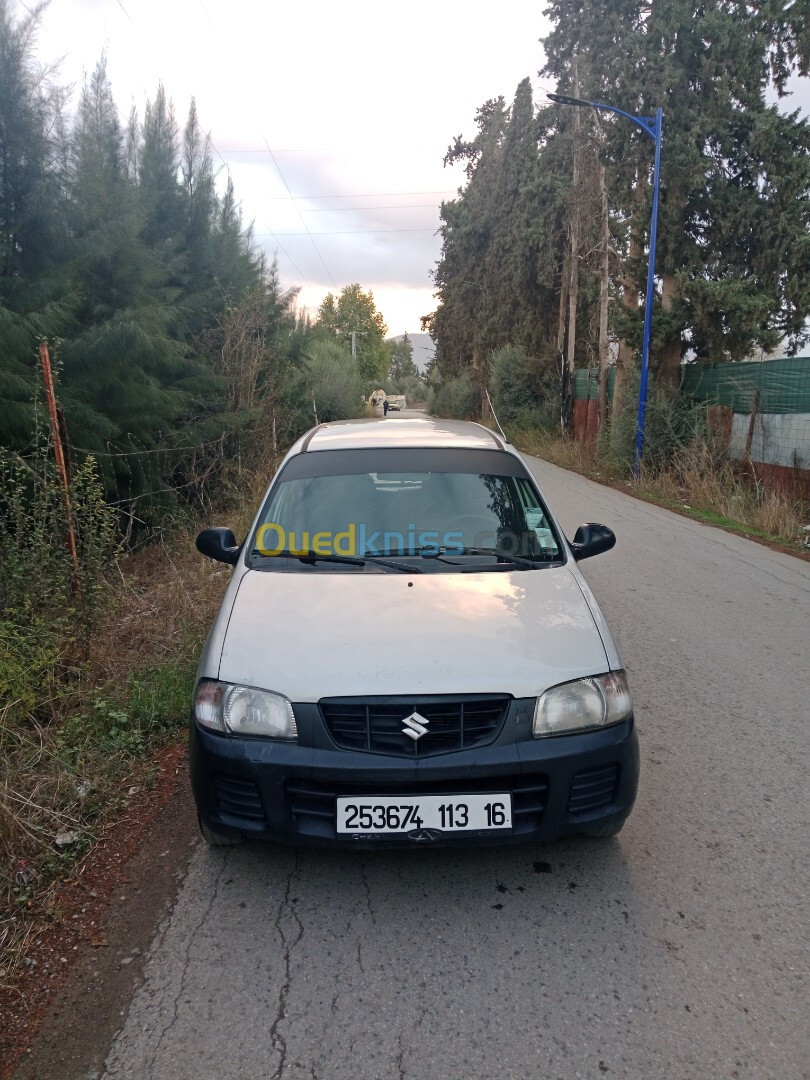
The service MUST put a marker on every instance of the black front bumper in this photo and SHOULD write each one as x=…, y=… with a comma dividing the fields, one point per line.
x=286, y=792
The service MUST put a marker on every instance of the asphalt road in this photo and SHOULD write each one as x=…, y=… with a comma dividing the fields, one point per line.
x=677, y=950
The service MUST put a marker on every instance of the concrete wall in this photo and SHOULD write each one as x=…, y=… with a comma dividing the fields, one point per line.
x=777, y=438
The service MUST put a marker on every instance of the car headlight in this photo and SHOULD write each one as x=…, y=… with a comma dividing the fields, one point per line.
x=243, y=710
x=595, y=702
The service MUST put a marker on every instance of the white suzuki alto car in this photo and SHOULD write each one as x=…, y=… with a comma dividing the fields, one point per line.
x=407, y=652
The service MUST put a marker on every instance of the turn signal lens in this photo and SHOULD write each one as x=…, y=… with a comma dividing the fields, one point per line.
x=208, y=705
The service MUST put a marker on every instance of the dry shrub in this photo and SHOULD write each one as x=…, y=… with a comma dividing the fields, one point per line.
x=702, y=477
x=564, y=451
x=165, y=603
x=697, y=476
x=68, y=763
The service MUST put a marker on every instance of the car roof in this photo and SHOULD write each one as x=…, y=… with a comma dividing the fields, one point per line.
x=401, y=431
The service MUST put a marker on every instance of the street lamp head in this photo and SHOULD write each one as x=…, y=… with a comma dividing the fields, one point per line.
x=562, y=99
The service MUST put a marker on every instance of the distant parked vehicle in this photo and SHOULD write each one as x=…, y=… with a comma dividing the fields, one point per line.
x=396, y=402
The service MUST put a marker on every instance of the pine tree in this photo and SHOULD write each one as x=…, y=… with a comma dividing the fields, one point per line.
x=202, y=298
x=35, y=298
x=158, y=174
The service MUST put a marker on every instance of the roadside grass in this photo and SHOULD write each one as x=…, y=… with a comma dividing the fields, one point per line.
x=78, y=744
x=697, y=481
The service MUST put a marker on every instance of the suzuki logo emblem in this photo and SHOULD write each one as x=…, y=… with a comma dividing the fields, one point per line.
x=415, y=726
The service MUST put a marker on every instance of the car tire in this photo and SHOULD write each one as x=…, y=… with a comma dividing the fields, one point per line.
x=217, y=839
x=598, y=832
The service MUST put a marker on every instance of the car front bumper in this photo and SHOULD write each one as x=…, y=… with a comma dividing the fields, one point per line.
x=286, y=792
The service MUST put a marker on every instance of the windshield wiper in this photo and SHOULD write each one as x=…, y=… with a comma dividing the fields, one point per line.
x=518, y=560
x=404, y=567
x=347, y=560
x=309, y=556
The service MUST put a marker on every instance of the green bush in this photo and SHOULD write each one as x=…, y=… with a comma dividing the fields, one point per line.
x=333, y=382
x=525, y=388
x=673, y=422
x=47, y=613
x=411, y=386
x=456, y=398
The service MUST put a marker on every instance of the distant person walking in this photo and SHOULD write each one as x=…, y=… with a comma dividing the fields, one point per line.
x=385, y=407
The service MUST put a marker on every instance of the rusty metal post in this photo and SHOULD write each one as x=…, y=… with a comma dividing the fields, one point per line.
x=59, y=456
x=749, y=438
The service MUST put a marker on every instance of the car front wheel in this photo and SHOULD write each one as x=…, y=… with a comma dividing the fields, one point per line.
x=613, y=828
x=217, y=839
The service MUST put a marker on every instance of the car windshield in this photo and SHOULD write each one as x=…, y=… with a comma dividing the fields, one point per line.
x=443, y=511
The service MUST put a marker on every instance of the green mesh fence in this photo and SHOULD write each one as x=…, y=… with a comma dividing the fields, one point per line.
x=772, y=386
x=586, y=384
x=768, y=405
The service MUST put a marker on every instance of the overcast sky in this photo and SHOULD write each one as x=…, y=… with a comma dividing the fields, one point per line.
x=332, y=117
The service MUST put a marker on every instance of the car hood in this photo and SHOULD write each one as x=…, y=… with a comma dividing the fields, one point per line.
x=315, y=635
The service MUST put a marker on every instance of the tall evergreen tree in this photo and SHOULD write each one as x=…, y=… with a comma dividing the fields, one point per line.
x=158, y=174
x=202, y=297
x=498, y=275
x=401, y=364
x=35, y=297
x=459, y=326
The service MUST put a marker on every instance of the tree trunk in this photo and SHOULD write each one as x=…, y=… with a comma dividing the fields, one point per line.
x=561, y=339
x=604, y=296
x=669, y=359
x=630, y=296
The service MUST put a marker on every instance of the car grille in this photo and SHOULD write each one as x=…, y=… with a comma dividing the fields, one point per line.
x=313, y=805
x=593, y=788
x=377, y=727
x=238, y=798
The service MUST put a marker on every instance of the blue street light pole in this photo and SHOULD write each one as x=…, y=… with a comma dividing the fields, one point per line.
x=652, y=126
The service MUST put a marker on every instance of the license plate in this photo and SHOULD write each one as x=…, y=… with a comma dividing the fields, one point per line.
x=404, y=813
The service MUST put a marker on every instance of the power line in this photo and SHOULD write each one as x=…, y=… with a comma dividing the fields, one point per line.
x=289, y=257
x=360, y=195
x=357, y=209
x=346, y=232
x=295, y=204
x=271, y=233
x=345, y=149
x=205, y=9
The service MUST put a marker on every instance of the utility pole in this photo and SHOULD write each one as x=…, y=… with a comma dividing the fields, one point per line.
x=573, y=277
x=59, y=456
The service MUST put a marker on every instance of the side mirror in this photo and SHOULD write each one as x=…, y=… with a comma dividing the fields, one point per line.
x=219, y=544
x=591, y=540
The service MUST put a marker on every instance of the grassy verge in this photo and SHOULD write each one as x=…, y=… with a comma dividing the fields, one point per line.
x=696, y=482
x=82, y=743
